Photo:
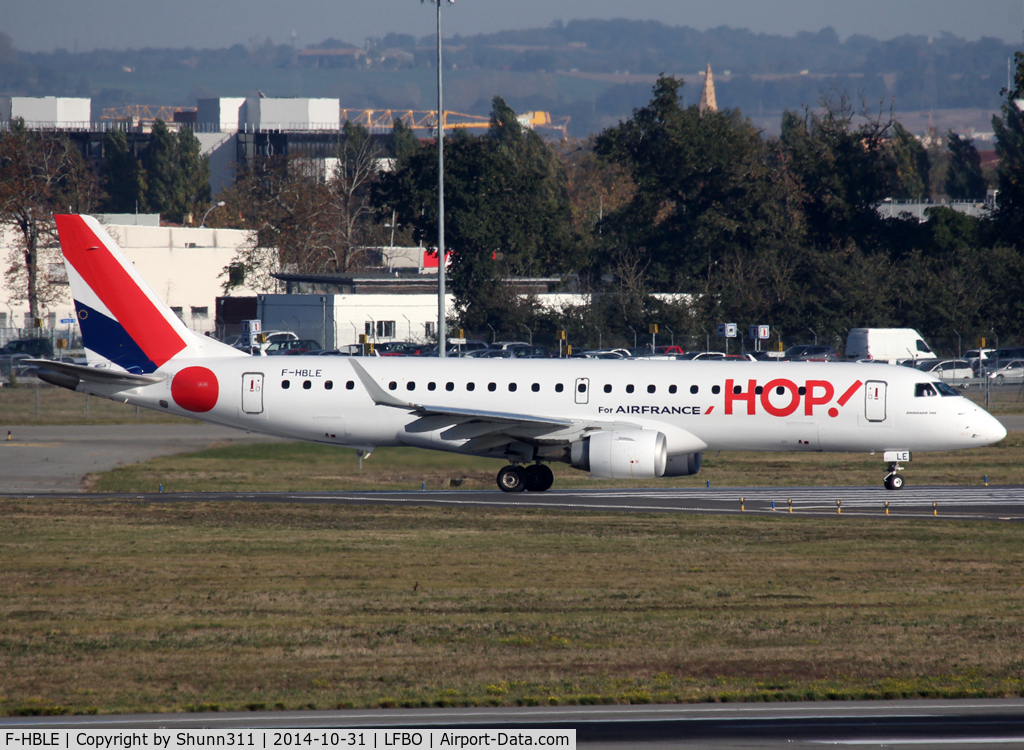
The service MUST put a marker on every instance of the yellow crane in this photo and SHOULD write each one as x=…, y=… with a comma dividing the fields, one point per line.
x=426, y=119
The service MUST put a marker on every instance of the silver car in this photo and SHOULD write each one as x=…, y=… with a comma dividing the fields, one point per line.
x=1010, y=371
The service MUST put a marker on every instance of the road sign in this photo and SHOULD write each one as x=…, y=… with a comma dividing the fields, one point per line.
x=457, y=340
x=727, y=330
x=66, y=321
x=759, y=332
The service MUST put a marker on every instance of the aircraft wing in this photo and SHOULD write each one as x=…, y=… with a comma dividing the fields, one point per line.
x=487, y=426
x=68, y=375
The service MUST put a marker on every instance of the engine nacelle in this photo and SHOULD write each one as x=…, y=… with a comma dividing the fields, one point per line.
x=621, y=454
x=683, y=464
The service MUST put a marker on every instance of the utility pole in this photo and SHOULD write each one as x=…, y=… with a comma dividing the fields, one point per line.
x=441, y=332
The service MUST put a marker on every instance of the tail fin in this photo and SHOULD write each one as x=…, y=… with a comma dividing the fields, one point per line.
x=122, y=320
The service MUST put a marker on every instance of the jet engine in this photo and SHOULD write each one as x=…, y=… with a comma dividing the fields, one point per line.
x=621, y=454
x=683, y=464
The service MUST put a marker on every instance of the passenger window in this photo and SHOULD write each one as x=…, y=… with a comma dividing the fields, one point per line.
x=671, y=389
x=607, y=389
x=559, y=387
x=535, y=387
x=328, y=385
x=737, y=389
x=392, y=385
x=470, y=386
x=410, y=386
x=924, y=389
x=694, y=389
x=780, y=390
x=286, y=384
x=582, y=388
x=651, y=389
x=350, y=385
x=449, y=386
x=802, y=391
x=492, y=386
x=306, y=385
x=512, y=387
x=431, y=386
x=759, y=390
x=716, y=389
x=629, y=388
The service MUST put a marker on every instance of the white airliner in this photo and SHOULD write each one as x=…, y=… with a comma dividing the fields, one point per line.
x=616, y=419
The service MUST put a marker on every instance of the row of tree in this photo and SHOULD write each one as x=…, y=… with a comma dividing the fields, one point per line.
x=674, y=216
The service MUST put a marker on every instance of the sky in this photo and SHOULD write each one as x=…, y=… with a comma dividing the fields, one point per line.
x=44, y=25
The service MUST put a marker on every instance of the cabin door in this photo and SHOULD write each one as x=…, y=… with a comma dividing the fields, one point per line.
x=252, y=393
x=874, y=400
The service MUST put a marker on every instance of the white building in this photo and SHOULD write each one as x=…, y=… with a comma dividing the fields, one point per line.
x=43, y=112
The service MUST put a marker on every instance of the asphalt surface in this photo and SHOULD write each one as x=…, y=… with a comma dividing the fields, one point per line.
x=56, y=459
x=921, y=724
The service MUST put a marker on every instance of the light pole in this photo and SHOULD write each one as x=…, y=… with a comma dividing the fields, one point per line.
x=218, y=204
x=440, y=194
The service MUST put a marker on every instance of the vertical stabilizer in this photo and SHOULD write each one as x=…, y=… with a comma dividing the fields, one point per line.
x=123, y=321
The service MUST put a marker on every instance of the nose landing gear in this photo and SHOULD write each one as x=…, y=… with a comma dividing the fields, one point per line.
x=894, y=480
x=535, y=478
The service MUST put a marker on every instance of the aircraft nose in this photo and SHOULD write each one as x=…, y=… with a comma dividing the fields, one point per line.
x=987, y=429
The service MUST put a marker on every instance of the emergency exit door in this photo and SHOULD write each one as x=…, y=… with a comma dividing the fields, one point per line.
x=874, y=400
x=582, y=390
x=252, y=393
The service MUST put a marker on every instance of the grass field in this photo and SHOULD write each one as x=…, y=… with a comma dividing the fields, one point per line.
x=47, y=405
x=126, y=607
x=308, y=467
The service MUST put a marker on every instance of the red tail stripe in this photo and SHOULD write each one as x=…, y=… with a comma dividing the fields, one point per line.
x=849, y=393
x=118, y=290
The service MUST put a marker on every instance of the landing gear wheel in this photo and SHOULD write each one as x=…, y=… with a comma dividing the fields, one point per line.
x=510, y=479
x=894, y=482
x=538, y=478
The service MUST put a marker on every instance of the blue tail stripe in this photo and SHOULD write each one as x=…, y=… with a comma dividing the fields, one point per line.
x=109, y=339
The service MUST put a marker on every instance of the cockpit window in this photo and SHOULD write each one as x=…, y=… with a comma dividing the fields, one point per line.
x=945, y=390
x=924, y=389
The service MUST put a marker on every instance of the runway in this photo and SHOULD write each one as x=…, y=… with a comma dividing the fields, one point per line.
x=1003, y=503
x=921, y=724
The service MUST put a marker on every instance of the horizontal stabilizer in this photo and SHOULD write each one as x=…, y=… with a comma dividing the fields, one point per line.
x=68, y=375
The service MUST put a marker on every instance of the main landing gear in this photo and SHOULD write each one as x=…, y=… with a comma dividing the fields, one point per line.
x=534, y=478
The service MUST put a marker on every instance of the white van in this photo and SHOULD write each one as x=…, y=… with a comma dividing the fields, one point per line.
x=890, y=345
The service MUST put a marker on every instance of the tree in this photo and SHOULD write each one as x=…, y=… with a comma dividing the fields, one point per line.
x=910, y=179
x=506, y=214
x=964, y=179
x=41, y=173
x=177, y=176
x=123, y=176
x=306, y=218
x=1009, y=131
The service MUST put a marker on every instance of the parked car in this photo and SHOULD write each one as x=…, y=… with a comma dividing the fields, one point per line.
x=34, y=347
x=947, y=369
x=401, y=349
x=740, y=358
x=811, y=353
x=514, y=351
x=669, y=350
x=1011, y=371
x=291, y=346
x=703, y=355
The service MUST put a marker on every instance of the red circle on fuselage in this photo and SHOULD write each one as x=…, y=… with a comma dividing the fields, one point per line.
x=195, y=389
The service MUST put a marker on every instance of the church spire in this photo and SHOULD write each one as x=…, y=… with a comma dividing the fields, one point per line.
x=707, y=94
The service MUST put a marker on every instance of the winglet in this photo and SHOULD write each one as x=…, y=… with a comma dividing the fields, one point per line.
x=378, y=394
